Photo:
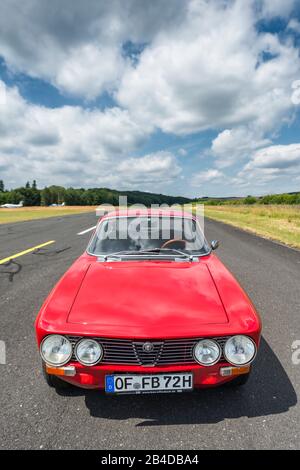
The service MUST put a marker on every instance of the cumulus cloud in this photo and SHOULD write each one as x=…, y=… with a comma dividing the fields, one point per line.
x=77, y=46
x=196, y=65
x=266, y=166
x=271, y=8
x=276, y=156
x=275, y=162
x=70, y=145
x=294, y=25
x=236, y=144
x=211, y=73
x=89, y=70
x=158, y=168
x=182, y=152
x=208, y=176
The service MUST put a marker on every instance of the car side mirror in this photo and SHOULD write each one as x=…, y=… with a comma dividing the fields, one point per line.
x=214, y=244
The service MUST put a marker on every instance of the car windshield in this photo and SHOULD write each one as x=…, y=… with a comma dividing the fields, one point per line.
x=137, y=235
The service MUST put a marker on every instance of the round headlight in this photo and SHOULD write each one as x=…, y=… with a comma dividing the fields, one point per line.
x=207, y=352
x=88, y=352
x=56, y=350
x=239, y=350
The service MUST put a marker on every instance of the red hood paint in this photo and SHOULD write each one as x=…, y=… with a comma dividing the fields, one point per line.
x=145, y=295
x=148, y=299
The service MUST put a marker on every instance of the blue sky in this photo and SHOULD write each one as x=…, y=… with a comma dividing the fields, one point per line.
x=198, y=98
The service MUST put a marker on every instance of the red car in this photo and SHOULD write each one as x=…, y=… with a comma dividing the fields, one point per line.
x=147, y=308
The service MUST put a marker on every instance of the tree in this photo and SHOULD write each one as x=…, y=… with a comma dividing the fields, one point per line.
x=34, y=184
x=250, y=200
x=46, y=197
x=1, y=186
x=27, y=185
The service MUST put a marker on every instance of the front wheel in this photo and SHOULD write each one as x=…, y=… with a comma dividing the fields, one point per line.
x=54, y=381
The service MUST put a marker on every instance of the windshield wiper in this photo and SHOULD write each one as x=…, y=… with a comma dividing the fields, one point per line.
x=174, y=250
x=119, y=254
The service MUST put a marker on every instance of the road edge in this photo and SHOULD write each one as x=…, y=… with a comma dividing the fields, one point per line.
x=258, y=235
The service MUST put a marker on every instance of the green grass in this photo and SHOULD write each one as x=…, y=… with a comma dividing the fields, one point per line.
x=31, y=213
x=277, y=222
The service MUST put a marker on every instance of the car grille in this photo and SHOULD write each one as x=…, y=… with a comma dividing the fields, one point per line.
x=131, y=352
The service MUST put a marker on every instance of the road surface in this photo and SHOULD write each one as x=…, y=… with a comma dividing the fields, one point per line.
x=263, y=414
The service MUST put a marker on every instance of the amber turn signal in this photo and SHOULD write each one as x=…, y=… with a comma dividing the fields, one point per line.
x=229, y=371
x=66, y=371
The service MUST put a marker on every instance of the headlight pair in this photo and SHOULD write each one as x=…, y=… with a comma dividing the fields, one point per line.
x=56, y=350
x=238, y=350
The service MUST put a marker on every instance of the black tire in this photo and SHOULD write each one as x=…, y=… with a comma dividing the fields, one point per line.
x=54, y=381
x=239, y=381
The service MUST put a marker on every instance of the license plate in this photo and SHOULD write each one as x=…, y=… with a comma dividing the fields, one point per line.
x=148, y=383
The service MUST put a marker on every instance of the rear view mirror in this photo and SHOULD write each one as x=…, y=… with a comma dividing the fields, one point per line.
x=214, y=244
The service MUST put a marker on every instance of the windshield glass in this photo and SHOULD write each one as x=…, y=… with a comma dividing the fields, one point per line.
x=162, y=235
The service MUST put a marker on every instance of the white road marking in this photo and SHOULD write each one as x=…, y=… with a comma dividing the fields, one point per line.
x=87, y=230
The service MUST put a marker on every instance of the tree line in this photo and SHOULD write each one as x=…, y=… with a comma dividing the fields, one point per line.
x=285, y=198
x=32, y=196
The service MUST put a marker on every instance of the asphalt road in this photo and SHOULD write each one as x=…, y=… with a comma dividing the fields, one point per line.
x=263, y=414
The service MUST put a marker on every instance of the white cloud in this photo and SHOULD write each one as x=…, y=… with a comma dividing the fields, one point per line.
x=182, y=152
x=237, y=144
x=276, y=156
x=177, y=84
x=77, y=46
x=294, y=25
x=275, y=162
x=208, y=176
x=267, y=166
x=199, y=65
x=62, y=43
x=157, y=169
x=90, y=70
x=210, y=73
x=70, y=145
x=283, y=8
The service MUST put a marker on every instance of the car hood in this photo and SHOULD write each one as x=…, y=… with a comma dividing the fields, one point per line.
x=146, y=296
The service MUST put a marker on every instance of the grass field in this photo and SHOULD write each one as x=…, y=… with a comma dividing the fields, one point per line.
x=277, y=222
x=30, y=213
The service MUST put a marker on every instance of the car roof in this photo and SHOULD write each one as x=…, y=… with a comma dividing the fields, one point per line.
x=148, y=213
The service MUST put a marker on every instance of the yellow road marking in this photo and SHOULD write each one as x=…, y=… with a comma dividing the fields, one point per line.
x=21, y=253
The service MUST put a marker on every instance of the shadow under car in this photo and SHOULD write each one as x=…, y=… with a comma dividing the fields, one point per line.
x=268, y=391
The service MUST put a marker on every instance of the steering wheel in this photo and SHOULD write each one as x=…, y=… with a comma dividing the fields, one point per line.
x=172, y=241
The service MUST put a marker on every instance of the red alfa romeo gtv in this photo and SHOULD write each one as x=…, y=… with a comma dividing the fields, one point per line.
x=147, y=308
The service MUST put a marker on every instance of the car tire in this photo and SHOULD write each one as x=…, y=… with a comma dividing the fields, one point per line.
x=54, y=381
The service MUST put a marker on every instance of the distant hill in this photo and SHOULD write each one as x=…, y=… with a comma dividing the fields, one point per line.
x=32, y=196
x=284, y=198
